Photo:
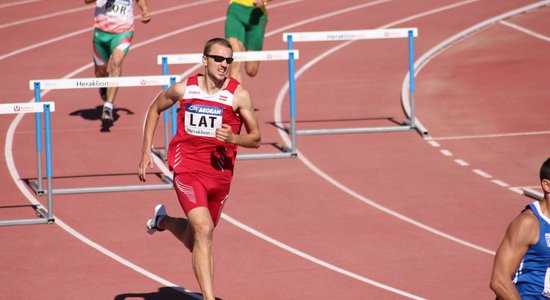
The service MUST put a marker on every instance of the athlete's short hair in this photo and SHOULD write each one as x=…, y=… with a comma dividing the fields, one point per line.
x=545, y=170
x=214, y=41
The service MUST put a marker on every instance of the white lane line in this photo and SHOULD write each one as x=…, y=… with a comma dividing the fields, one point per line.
x=42, y=17
x=278, y=120
x=434, y=144
x=446, y=152
x=482, y=173
x=486, y=136
x=527, y=31
x=461, y=162
x=10, y=4
x=318, y=261
x=160, y=164
x=500, y=183
x=90, y=28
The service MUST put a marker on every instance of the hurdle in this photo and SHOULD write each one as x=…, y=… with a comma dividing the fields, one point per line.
x=76, y=83
x=409, y=33
x=531, y=193
x=44, y=215
x=289, y=55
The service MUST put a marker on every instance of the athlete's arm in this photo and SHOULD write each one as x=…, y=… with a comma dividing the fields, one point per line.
x=245, y=108
x=145, y=13
x=520, y=235
x=163, y=101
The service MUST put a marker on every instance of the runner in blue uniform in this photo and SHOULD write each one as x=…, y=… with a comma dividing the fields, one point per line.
x=521, y=268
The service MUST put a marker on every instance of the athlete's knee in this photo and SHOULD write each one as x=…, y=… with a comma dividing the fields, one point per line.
x=117, y=59
x=203, y=232
x=252, y=69
x=101, y=71
x=236, y=45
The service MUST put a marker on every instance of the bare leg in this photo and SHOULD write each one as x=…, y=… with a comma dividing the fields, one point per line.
x=203, y=261
x=235, y=71
x=101, y=71
x=116, y=71
x=180, y=229
x=252, y=68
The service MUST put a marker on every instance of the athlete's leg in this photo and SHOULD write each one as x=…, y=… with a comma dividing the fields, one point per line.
x=180, y=228
x=237, y=46
x=202, y=258
x=102, y=53
x=252, y=68
x=254, y=37
x=117, y=59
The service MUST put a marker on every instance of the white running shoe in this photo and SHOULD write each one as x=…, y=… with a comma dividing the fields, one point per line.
x=160, y=213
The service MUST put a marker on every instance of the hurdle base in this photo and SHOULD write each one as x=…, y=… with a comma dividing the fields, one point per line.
x=108, y=189
x=266, y=156
x=354, y=130
x=533, y=194
x=41, y=218
x=160, y=153
x=25, y=222
x=105, y=189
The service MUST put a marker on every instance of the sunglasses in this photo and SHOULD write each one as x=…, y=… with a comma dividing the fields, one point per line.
x=219, y=59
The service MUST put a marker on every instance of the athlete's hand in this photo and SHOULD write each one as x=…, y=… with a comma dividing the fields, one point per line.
x=259, y=3
x=225, y=134
x=146, y=160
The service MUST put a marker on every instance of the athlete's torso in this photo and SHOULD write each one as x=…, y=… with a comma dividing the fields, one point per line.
x=114, y=16
x=533, y=269
x=195, y=148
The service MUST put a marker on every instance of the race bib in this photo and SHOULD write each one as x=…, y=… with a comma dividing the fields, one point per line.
x=202, y=120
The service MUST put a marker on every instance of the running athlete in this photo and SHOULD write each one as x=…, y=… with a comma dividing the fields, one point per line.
x=202, y=154
x=113, y=33
x=245, y=28
x=521, y=267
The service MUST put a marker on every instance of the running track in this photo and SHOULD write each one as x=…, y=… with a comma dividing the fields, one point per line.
x=357, y=216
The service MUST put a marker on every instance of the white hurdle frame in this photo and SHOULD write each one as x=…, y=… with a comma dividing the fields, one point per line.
x=75, y=83
x=409, y=33
x=44, y=216
x=289, y=55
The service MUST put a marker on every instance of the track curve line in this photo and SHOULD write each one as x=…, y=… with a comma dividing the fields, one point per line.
x=32, y=199
x=432, y=53
x=336, y=183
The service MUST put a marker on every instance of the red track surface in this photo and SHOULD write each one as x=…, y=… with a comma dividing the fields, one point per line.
x=371, y=216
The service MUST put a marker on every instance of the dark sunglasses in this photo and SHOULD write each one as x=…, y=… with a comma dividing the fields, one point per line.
x=219, y=59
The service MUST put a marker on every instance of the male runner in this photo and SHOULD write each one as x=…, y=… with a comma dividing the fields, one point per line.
x=521, y=268
x=202, y=154
x=113, y=33
x=244, y=29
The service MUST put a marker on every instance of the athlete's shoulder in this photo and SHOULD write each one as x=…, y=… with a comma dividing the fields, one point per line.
x=526, y=224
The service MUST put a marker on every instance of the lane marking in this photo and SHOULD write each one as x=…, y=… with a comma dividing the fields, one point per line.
x=500, y=183
x=461, y=162
x=278, y=120
x=446, y=152
x=486, y=136
x=90, y=28
x=318, y=261
x=482, y=173
x=42, y=17
x=527, y=31
x=32, y=199
x=17, y=3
